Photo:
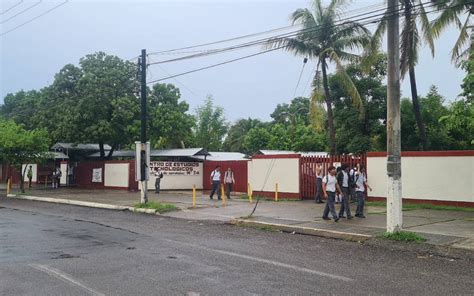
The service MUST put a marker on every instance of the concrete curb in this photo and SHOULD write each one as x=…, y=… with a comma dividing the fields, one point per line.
x=356, y=237
x=71, y=202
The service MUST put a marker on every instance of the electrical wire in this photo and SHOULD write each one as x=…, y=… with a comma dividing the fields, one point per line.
x=35, y=18
x=248, y=35
x=301, y=74
x=21, y=12
x=286, y=35
x=8, y=9
x=270, y=50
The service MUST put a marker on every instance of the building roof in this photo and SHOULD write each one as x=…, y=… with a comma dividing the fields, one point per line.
x=73, y=146
x=189, y=152
x=223, y=156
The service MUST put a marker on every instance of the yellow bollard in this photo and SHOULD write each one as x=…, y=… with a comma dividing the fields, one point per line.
x=194, y=196
x=223, y=195
x=250, y=194
x=276, y=191
x=9, y=185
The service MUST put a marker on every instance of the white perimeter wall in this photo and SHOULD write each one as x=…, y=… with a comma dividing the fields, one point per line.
x=448, y=178
x=116, y=174
x=177, y=182
x=284, y=171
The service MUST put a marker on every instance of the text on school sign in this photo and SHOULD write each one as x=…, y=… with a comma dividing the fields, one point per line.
x=175, y=168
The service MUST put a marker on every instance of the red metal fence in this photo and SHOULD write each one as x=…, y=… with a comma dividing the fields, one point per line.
x=239, y=167
x=308, y=169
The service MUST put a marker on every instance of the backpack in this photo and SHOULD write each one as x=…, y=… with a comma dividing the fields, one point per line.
x=161, y=175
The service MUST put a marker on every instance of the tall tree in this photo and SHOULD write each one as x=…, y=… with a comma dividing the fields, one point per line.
x=234, y=140
x=170, y=124
x=211, y=126
x=414, y=16
x=323, y=39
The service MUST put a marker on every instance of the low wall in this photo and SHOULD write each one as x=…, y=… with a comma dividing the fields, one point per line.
x=174, y=179
x=110, y=174
x=443, y=177
x=264, y=171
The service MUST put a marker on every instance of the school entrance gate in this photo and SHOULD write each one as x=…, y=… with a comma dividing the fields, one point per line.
x=308, y=170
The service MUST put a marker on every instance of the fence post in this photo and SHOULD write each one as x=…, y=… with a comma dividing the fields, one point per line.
x=194, y=196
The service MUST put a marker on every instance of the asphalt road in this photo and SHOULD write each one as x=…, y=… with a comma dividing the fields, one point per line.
x=50, y=249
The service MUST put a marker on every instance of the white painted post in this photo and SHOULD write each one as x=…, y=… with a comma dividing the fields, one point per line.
x=394, y=172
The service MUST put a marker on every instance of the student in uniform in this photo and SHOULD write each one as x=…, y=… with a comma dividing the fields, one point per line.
x=330, y=187
x=360, y=183
x=229, y=181
x=216, y=182
x=319, y=183
x=344, y=183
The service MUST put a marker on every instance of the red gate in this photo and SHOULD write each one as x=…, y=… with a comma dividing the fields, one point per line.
x=240, y=173
x=308, y=169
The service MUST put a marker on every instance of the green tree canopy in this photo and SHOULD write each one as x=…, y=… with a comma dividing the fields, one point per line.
x=211, y=126
x=19, y=146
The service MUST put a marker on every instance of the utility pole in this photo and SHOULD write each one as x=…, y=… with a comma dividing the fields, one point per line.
x=394, y=170
x=143, y=156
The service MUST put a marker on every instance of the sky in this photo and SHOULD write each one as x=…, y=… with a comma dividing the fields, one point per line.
x=33, y=53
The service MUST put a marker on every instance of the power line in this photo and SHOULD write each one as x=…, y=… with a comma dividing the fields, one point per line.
x=21, y=12
x=276, y=48
x=248, y=35
x=309, y=79
x=8, y=9
x=301, y=74
x=286, y=35
x=35, y=18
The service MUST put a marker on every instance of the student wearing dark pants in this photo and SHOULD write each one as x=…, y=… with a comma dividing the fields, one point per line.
x=330, y=187
x=319, y=184
x=343, y=181
x=216, y=182
x=360, y=183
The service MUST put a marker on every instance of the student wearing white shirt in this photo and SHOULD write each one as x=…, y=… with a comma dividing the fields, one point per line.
x=330, y=187
x=216, y=182
x=360, y=183
x=319, y=183
x=343, y=180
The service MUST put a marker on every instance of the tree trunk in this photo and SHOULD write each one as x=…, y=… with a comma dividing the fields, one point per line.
x=101, y=148
x=111, y=152
x=327, y=97
x=417, y=109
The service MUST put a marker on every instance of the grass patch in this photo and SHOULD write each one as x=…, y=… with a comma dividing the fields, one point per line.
x=404, y=236
x=267, y=228
x=410, y=207
x=159, y=207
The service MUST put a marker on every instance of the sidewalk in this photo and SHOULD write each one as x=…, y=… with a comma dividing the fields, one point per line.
x=441, y=228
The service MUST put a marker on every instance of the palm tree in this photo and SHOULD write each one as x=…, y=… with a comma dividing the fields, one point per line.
x=451, y=13
x=410, y=41
x=323, y=39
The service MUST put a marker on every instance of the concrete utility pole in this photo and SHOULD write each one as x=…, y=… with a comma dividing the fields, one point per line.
x=394, y=170
x=143, y=168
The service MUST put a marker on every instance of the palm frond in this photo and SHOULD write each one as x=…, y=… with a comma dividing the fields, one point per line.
x=347, y=83
x=426, y=29
x=409, y=44
x=462, y=39
x=445, y=19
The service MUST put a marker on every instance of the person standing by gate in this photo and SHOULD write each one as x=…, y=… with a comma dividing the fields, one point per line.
x=319, y=184
x=158, y=176
x=29, y=174
x=216, y=182
x=343, y=180
x=360, y=183
x=229, y=181
x=330, y=187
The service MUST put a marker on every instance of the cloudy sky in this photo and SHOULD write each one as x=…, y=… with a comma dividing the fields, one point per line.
x=33, y=53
